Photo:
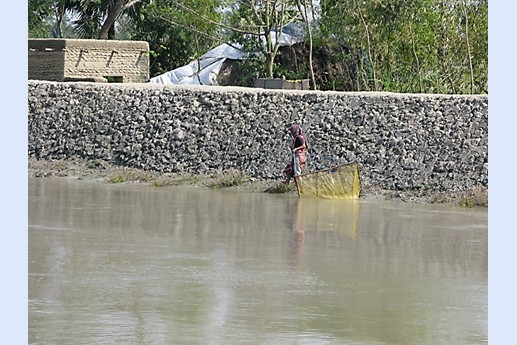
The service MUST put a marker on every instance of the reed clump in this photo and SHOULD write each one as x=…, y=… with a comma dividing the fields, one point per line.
x=279, y=188
x=227, y=179
x=475, y=197
x=130, y=175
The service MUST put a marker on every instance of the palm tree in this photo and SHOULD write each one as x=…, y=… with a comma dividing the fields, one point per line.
x=97, y=18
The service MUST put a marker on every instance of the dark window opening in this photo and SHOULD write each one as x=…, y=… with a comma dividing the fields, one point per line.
x=114, y=79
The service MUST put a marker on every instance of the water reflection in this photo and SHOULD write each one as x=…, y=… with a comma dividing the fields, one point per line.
x=297, y=229
x=142, y=265
x=310, y=214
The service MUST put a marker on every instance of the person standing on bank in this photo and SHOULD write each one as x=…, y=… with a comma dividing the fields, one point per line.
x=299, y=147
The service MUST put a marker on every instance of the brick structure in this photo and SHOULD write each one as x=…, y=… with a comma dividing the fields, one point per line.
x=88, y=60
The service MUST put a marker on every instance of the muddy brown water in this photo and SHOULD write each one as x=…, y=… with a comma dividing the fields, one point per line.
x=136, y=264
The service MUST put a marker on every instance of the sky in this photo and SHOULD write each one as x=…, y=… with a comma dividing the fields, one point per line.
x=502, y=193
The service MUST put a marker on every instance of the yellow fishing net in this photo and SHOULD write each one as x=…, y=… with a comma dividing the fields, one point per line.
x=339, y=182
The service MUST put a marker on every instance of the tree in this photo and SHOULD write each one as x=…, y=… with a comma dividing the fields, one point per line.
x=434, y=46
x=89, y=18
x=38, y=18
x=116, y=8
x=304, y=9
x=259, y=24
x=97, y=18
x=256, y=25
x=413, y=45
x=177, y=33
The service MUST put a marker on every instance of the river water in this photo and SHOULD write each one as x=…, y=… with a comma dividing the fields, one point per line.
x=136, y=264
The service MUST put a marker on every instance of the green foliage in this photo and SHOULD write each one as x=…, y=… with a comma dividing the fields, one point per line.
x=280, y=188
x=39, y=13
x=131, y=175
x=178, y=32
x=177, y=181
x=475, y=197
x=227, y=179
x=254, y=23
x=392, y=45
x=413, y=46
x=80, y=18
x=94, y=164
x=249, y=70
x=282, y=72
x=118, y=179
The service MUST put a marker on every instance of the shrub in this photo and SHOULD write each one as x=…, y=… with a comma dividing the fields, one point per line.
x=118, y=179
x=230, y=178
x=280, y=187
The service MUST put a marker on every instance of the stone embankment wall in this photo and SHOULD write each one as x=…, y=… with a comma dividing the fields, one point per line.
x=401, y=141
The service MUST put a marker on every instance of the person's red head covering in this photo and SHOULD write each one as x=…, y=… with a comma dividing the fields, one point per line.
x=295, y=130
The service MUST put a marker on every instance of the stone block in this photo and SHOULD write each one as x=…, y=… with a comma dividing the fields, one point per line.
x=89, y=60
